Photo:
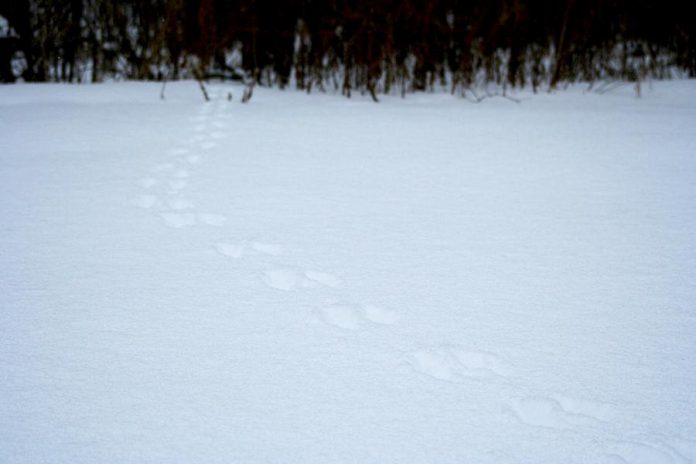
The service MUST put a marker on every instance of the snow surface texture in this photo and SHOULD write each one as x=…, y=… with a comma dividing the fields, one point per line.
x=310, y=279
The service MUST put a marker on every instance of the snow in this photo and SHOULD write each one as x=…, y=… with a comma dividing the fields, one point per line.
x=313, y=279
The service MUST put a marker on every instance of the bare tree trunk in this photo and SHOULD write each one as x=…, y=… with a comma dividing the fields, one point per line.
x=164, y=84
x=249, y=90
x=199, y=78
x=559, y=51
x=205, y=92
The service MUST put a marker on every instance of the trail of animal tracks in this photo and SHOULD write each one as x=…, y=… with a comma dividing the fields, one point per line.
x=312, y=279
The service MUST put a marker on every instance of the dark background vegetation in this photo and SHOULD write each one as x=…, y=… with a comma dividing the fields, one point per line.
x=367, y=45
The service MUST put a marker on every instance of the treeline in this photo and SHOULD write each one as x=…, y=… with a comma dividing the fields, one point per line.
x=366, y=45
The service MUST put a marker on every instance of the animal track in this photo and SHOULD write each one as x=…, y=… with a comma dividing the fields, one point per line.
x=560, y=411
x=288, y=279
x=353, y=317
x=179, y=220
x=284, y=279
x=593, y=409
x=267, y=248
x=211, y=219
x=179, y=203
x=177, y=217
x=455, y=364
x=343, y=316
x=230, y=250
x=540, y=412
x=323, y=278
x=379, y=315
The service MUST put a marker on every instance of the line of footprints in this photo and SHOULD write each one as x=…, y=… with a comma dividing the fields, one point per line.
x=166, y=183
x=163, y=191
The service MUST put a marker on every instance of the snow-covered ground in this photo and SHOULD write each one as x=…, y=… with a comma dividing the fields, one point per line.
x=310, y=279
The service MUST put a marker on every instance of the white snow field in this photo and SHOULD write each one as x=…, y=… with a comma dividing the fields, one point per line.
x=311, y=279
